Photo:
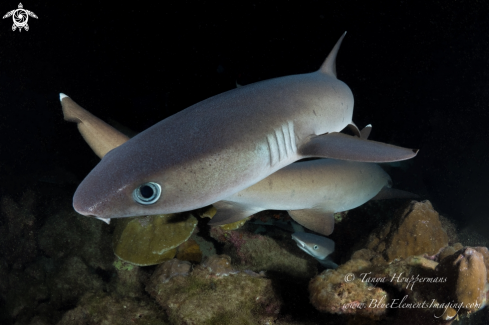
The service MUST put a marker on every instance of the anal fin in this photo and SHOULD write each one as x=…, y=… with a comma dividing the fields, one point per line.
x=346, y=147
x=229, y=212
x=316, y=220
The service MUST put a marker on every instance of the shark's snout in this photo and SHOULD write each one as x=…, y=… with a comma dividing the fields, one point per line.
x=81, y=209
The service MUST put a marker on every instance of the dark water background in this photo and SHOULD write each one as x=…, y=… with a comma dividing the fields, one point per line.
x=419, y=72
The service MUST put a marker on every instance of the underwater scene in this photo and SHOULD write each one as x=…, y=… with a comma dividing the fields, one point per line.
x=267, y=162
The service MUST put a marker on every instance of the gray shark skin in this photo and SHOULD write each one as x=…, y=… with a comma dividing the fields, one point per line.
x=311, y=192
x=301, y=187
x=318, y=247
x=226, y=143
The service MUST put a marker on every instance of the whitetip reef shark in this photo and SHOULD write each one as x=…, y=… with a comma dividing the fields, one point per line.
x=311, y=191
x=226, y=143
x=318, y=247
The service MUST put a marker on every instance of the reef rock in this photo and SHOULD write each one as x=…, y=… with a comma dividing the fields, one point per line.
x=189, y=251
x=170, y=269
x=213, y=293
x=466, y=269
x=429, y=289
x=342, y=291
x=104, y=309
x=415, y=230
x=17, y=232
x=263, y=253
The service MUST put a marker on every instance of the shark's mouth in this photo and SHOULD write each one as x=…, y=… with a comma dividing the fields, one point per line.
x=300, y=244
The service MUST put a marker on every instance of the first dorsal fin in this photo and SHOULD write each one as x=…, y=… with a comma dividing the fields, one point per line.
x=329, y=65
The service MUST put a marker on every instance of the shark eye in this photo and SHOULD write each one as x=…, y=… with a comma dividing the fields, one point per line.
x=147, y=193
x=315, y=247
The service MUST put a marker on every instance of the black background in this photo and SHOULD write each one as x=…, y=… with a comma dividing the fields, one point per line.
x=418, y=71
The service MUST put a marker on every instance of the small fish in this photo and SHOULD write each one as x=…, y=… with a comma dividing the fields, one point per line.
x=227, y=143
x=318, y=247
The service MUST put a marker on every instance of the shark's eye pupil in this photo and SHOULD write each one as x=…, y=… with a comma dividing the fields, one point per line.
x=147, y=193
x=315, y=247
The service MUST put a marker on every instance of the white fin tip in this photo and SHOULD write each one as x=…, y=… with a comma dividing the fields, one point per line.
x=61, y=96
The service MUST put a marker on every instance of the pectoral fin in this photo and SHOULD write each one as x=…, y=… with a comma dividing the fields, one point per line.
x=229, y=212
x=316, y=220
x=346, y=147
x=100, y=136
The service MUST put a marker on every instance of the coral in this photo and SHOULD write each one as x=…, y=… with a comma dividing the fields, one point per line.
x=415, y=230
x=153, y=239
x=189, y=251
x=264, y=253
x=104, y=309
x=235, y=225
x=342, y=291
x=204, y=297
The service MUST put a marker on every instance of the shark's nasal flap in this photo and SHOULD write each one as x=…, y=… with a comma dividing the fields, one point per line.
x=346, y=147
x=316, y=220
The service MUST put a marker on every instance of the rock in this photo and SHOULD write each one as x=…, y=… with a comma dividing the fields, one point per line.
x=342, y=291
x=219, y=265
x=189, y=251
x=169, y=269
x=416, y=230
x=67, y=233
x=128, y=281
x=204, y=297
x=263, y=253
x=466, y=271
x=103, y=309
x=17, y=234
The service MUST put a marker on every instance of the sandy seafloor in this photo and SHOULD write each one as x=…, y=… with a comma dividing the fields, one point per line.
x=419, y=72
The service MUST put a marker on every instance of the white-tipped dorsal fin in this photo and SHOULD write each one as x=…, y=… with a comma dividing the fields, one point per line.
x=61, y=96
x=329, y=65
